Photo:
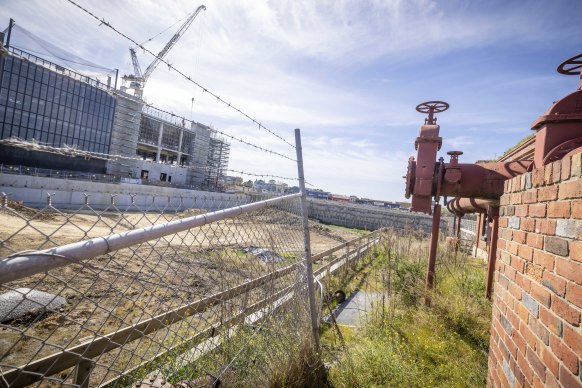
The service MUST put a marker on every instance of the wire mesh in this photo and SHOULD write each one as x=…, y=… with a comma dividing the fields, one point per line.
x=90, y=300
x=226, y=300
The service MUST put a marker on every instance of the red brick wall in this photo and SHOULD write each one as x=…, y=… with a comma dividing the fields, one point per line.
x=536, y=338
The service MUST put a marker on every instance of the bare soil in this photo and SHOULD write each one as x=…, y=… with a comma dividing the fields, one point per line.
x=122, y=288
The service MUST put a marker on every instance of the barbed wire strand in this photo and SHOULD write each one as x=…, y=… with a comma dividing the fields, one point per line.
x=102, y=21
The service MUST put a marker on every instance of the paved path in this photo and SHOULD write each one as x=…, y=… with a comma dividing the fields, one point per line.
x=355, y=309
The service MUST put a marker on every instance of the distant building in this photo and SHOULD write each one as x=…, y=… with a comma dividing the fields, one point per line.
x=43, y=102
x=339, y=198
x=319, y=194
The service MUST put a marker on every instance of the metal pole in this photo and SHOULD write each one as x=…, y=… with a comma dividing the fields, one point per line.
x=308, y=262
x=494, y=213
x=10, y=25
x=434, y=239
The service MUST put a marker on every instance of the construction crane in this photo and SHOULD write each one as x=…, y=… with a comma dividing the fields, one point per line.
x=138, y=80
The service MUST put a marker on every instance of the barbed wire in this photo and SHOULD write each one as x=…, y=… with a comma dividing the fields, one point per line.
x=102, y=21
x=72, y=151
x=227, y=135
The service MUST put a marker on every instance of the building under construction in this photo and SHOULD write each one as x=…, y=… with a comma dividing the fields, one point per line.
x=60, y=119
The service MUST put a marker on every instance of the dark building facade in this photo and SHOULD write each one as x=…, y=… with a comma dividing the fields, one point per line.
x=52, y=105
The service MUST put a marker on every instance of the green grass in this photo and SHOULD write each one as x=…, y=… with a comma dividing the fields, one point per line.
x=406, y=344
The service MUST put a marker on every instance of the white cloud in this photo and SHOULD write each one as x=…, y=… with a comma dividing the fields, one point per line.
x=338, y=69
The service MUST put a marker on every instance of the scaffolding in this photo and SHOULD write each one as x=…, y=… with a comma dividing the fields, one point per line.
x=218, y=154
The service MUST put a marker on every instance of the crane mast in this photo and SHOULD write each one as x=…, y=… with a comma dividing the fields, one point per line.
x=138, y=80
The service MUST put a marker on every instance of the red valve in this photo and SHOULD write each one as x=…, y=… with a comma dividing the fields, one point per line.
x=454, y=156
x=432, y=107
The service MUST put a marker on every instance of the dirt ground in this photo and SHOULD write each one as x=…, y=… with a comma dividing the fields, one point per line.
x=136, y=283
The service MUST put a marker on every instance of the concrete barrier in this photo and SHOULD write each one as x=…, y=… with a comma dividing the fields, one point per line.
x=33, y=191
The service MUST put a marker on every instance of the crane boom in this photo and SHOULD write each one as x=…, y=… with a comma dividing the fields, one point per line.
x=169, y=45
x=136, y=67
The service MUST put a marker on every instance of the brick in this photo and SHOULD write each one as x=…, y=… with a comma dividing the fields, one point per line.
x=576, y=250
x=518, y=236
x=556, y=171
x=567, y=379
x=530, y=196
x=525, y=252
x=511, y=247
x=546, y=226
x=569, y=269
x=531, y=304
x=540, y=330
x=559, y=209
x=565, y=169
x=576, y=165
x=576, y=209
x=552, y=322
x=502, y=281
x=569, y=358
x=550, y=361
x=549, y=193
x=537, y=177
x=513, y=222
x=573, y=340
x=521, y=210
x=515, y=198
x=574, y=294
x=535, y=240
x=556, y=346
x=565, y=311
x=569, y=228
x=508, y=373
x=556, y=245
x=505, y=324
x=538, y=210
x=515, y=291
x=510, y=272
x=541, y=294
x=548, y=174
x=519, y=341
x=525, y=367
x=551, y=380
x=534, y=272
x=528, y=224
x=571, y=189
x=523, y=282
x=503, y=222
x=555, y=283
x=537, y=364
x=517, y=263
x=527, y=181
x=543, y=259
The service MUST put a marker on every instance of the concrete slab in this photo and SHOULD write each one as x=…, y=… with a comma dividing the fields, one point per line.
x=355, y=309
x=22, y=301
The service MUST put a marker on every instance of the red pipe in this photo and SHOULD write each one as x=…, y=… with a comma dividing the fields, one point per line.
x=494, y=214
x=434, y=238
x=461, y=206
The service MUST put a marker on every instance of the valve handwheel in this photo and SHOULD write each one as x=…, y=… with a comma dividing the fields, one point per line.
x=572, y=66
x=434, y=106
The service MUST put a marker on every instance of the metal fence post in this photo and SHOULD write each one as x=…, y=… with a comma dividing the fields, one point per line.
x=308, y=262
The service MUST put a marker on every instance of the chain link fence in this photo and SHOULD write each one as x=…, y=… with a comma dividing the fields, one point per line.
x=117, y=296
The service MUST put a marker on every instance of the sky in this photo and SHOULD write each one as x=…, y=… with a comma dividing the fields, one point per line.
x=349, y=74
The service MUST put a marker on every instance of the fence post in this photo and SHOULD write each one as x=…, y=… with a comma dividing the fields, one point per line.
x=308, y=262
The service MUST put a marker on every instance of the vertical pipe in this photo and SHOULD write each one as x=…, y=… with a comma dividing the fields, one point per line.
x=434, y=239
x=116, y=76
x=494, y=212
x=10, y=25
x=308, y=262
x=458, y=234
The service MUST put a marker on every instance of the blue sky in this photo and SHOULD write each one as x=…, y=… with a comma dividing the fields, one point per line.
x=348, y=73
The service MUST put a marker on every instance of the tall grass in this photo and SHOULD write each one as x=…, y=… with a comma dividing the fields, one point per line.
x=405, y=343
